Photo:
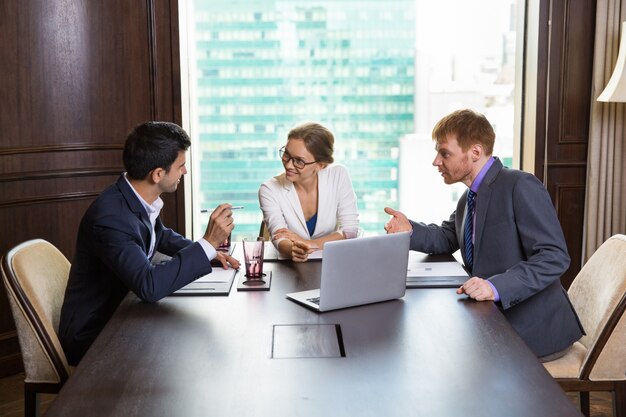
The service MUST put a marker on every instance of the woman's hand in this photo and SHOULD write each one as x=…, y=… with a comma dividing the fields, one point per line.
x=301, y=249
x=285, y=234
x=294, y=245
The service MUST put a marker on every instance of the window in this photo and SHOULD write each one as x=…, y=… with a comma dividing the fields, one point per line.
x=379, y=79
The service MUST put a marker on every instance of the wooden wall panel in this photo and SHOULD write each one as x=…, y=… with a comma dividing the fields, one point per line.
x=563, y=108
x=75, y=77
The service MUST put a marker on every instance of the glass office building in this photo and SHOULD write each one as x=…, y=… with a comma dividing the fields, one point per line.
x=260, y=67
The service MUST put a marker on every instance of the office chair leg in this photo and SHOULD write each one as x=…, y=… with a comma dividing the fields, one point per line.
x=619, y=399
x=584, y=403
x=31, y=401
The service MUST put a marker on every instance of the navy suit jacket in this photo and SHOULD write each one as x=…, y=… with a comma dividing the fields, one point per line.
x=111, y=258
x=520, y=248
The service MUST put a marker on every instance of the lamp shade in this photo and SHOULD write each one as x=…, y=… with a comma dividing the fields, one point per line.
x=616, y=88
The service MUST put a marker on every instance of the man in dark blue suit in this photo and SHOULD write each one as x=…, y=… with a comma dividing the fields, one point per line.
x=121, y=231
x=510, y=238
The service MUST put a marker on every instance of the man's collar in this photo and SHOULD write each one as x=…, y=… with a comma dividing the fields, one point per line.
x=481, y=174
x=157, y=205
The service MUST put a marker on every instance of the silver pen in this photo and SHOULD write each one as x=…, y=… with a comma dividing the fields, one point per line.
x=232, y=208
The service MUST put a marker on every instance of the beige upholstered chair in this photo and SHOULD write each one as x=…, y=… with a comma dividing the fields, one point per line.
x=35, y=275
x=597, y=362
x=263, y=232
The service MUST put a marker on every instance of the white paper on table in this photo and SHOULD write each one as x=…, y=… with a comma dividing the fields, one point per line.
x=270, y=253
x=435, y=269
x=218, y=274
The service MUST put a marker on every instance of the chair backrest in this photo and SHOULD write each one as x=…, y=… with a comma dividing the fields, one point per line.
x=598, y=294
x=35, y=274
x=264, y=232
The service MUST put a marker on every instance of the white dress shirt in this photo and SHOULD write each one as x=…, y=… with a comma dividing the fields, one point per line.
x=153, y=210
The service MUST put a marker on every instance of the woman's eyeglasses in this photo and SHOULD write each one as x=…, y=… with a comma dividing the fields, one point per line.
x=297, y=162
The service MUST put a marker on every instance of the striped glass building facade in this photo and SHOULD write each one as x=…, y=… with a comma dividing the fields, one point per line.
x=260, y=67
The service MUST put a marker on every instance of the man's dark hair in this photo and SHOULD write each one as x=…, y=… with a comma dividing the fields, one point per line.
x=152, y=145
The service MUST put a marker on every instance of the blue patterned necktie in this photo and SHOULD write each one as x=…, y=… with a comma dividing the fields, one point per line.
x=469, y=229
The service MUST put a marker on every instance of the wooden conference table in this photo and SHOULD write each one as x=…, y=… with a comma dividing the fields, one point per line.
x=431, y=353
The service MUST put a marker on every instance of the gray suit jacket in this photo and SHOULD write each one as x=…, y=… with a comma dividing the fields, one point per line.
x=519, y=247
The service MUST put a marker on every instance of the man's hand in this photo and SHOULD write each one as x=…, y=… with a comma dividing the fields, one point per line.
x=477, y=289
x=220, y=225
x=300, y=250
x=397, y=223
x=227, y=260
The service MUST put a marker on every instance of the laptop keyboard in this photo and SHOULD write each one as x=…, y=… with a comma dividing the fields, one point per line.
x=314, y=300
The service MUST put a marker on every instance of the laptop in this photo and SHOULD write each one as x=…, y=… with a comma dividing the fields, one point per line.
x=359, y=271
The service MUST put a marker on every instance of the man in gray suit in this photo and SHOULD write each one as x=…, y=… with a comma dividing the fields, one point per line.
x=508, y=232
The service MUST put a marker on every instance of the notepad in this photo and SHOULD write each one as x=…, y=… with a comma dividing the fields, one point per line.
x=218, y=282
x=434, y=274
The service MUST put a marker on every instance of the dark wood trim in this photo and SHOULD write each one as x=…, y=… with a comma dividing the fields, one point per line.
x=573, y=164
x=523, y=86
x=66, y=147
x=177, y=115
x=152, y=49
x=558, y=194
x=572, y=139
x=543, y=54
x=46, y=199
x=63, y=125
x=564, y=73
x=11, y=364
x=59, y=173
x=11, y=334
x=619, y=399
x=175, y=49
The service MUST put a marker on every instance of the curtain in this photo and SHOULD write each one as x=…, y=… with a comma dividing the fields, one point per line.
x=605, y=200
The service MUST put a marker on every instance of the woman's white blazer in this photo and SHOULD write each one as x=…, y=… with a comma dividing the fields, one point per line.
x=336, y=205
